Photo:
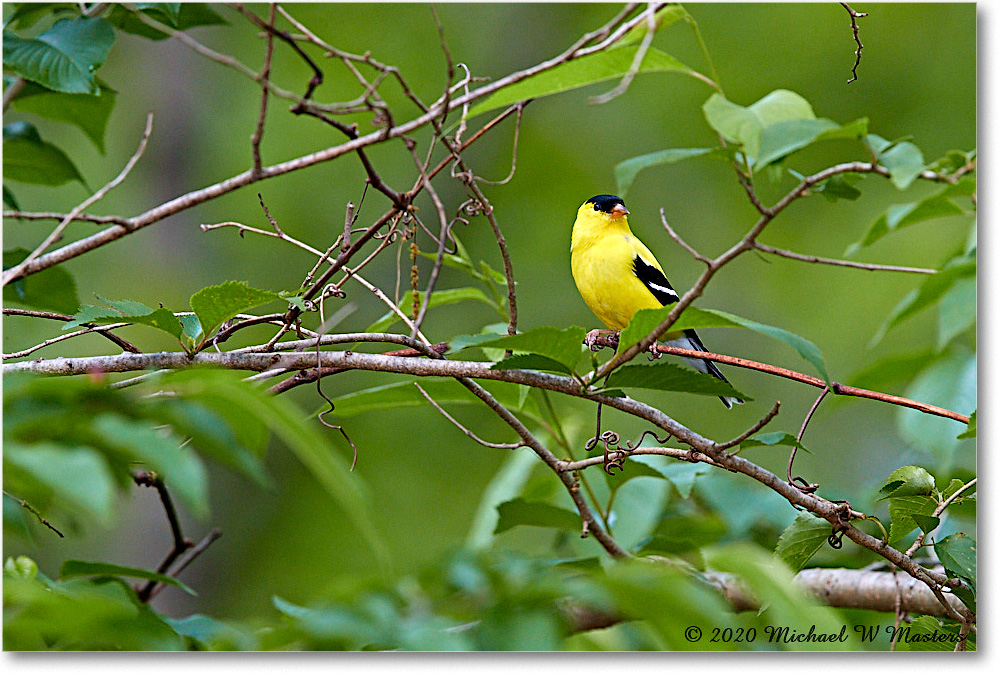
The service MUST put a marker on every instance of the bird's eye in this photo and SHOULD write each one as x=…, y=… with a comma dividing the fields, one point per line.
x=596, y=207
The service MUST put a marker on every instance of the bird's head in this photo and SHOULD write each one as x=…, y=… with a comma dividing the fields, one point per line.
x=605, y=206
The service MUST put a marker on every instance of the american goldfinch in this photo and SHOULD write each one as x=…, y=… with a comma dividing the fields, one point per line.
x=617, y=275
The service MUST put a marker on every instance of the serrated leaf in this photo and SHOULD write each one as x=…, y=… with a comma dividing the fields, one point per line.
x=89, y=113
x=907, y=481
x=802, y=539
x=925, y=523
x=29, y=159
x=970, y=430
x=216, y=304
x=128, y=311
x=52, y=289
x=590, y=69
x=957, y=552
x=77, y=476
x=63, y=58
x=625, y=172
x=562, y=346
x=519, y=511
x=773, y=438
x=445, y=296
x=190, y=326
x=83, y=568
x=671, y=377
x=902, y=510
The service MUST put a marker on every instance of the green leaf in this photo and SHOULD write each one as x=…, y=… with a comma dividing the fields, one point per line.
x=681, y=474
x=539, y=514
x=216, y=304
x=970, y=431
x=63, y=58
x=671, y=377
x=562, y=346
x=83, y=568
x=29, y=159
x=773, y=438
x=908, y=481
x=903, y=160
x=902, y=510
x=840, y=186
x=745, y=125
x=957, y=552
x=28, y=13
x=684, y=533
x=802, y=539
x=9, y=199
x=667, y=16
x=445, y=296
x=52, y=289
x=128, y=311
x=190, y=326
x=929, y=634
x=531, y=362
x=925, y=523
x=598, y=67
x=77, y=476
x=898, y=216
x=165, y=453
x=950, y=383
x=780, y=139
x=299, y=433
x=177, y=15
x=625, y=172
x=212, y=634
x=645, y=320
x=89, y=113
x=956, y=310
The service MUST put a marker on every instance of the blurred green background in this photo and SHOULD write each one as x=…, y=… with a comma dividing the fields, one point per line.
x=917, y=79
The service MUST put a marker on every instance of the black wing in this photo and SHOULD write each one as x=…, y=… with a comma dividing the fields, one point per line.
x=654, y=280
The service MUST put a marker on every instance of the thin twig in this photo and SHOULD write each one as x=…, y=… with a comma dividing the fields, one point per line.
x=192, y=553
x=265, y=76
x=149, y=479
x=637, y=60
x=16, y=271
x=754, y=429
x=463, y=429
x=38, y=514
x=937, y=512
x=841, y=263
x=676, y=237
x=854, y=27
x=103, y=330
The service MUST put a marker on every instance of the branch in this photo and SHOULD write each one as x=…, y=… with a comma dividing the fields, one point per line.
x=181, y=544
x=841, y=263
x=103, y=330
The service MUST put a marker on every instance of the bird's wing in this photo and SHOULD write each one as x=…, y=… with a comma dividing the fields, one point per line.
x=654, y=280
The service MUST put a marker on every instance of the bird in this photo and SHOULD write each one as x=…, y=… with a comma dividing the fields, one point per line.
x=617, y=275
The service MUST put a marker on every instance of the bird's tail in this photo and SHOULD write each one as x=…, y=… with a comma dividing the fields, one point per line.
x=690, y=340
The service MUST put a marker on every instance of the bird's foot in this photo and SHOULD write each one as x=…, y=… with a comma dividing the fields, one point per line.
x=654, y=353
x=592, y=338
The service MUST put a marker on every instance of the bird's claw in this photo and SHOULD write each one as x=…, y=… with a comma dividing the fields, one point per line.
x=591, y=340
x=654, y=353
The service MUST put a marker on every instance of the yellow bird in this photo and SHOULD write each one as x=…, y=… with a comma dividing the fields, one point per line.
x=617, y=275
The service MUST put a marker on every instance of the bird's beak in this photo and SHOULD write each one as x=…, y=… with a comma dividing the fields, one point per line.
x=618, y=212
